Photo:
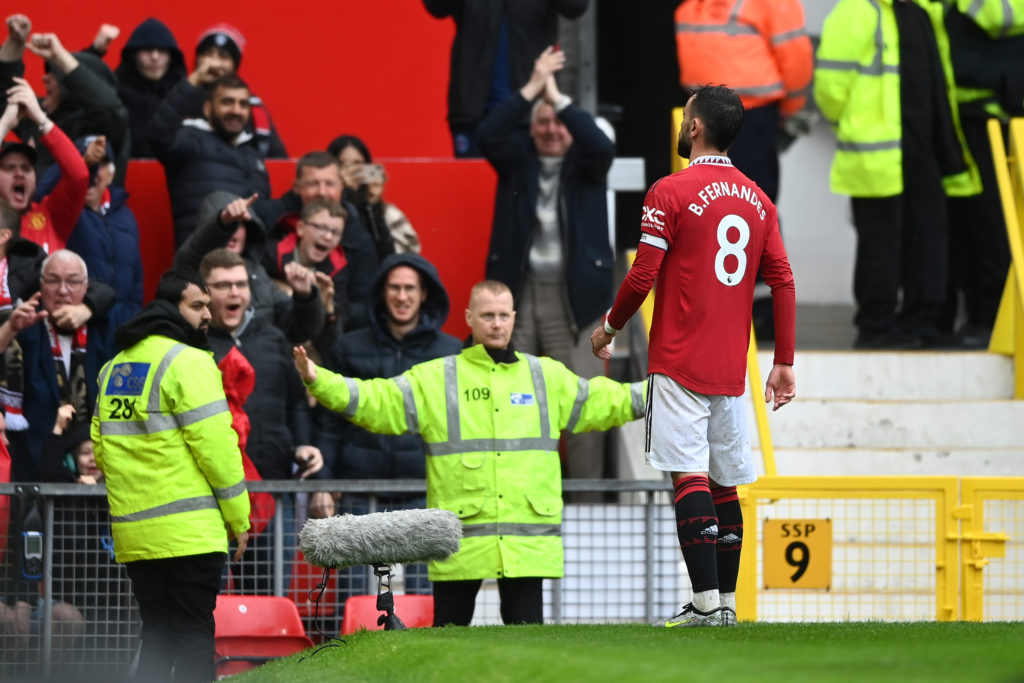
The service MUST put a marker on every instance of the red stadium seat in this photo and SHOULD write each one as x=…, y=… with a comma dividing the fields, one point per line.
x=252, y=629
x=415, y=611
x=306, y=577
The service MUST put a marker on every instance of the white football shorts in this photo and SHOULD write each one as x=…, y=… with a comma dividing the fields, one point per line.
x=691, y=432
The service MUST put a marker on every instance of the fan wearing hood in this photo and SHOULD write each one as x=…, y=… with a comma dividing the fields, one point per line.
x=151, y=65
x=409, y=307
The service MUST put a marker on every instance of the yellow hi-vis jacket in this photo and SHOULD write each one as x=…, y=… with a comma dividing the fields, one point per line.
x=857, y=88
x=998, y=18
x=162, y=435
x=491, y=433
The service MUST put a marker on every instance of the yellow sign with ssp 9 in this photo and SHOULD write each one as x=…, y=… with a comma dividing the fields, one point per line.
x=798, y=553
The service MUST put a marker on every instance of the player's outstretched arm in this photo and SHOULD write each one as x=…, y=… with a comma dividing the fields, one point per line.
x=781, y=386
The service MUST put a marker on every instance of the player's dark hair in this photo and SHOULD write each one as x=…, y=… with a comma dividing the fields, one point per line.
x=722, y=113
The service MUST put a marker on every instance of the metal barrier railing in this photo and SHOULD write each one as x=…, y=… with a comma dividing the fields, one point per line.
x=621, y=559
x=896, y=549
x=1008, y=333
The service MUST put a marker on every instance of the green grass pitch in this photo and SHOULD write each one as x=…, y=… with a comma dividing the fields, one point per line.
x=853, y=651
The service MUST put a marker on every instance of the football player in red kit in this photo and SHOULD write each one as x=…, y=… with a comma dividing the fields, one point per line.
x=705, y=233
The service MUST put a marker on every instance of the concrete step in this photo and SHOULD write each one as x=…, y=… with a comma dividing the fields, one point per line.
x=990, y=462
x=898, y=375
x=942, y=425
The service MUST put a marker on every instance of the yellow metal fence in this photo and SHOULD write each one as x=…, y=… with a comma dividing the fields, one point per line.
x=898, y=549
x=1008, y=333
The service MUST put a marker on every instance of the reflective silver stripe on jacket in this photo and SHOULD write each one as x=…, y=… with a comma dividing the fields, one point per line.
x=451, y=399
x=875, y=68
x=161, y=423
x=582, y=391
x=529, y=443
x=153, y=406
x=507, y=529
x=183, y=505
x=729, y=29
x=157, y=420
x=883, y=146
x=975, y=9
x=761, y=89
x=229, y=492
x=786, y=36
x=540, y=394
x=456, y=444
x=353, y=398
x=412, y=420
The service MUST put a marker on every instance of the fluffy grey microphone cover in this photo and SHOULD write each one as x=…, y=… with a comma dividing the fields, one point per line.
x=395, y=537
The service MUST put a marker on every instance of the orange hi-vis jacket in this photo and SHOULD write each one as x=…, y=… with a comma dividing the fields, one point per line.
x=759, y=48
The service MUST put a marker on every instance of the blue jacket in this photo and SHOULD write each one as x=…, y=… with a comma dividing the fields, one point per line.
x=109, y=244
x=42, y=395
x=582, y=202
x=351, y=452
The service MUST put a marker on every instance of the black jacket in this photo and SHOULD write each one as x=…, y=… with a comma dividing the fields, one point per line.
x=300, y=318
x=278, y=413
x=352, y=292
x=198, y=161
x=351, y=452
x=582, y=205
x=531, y=25
x=989, y=63
x=89, y=105
x=141, y=96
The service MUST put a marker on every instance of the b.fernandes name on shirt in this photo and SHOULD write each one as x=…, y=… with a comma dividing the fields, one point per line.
x=713, y=191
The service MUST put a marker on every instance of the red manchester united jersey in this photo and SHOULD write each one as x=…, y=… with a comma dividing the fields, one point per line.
x=705, y=233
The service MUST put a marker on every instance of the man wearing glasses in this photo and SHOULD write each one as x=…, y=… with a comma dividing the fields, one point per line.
x=313, y=245
x=280, y=437
x=62, y=351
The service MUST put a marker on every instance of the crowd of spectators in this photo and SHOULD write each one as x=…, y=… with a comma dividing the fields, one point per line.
x=329, y=264
x=294, y=269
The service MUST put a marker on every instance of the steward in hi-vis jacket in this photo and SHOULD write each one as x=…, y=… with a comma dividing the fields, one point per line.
x=162, y=436
x=490, y=419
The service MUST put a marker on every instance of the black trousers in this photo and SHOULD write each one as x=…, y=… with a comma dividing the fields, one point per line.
x=979, y=251
x=522, y=601
x=902, y=244
x=177, y=596
x=754, y=151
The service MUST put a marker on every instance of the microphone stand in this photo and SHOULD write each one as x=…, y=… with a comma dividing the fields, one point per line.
x=386, y=600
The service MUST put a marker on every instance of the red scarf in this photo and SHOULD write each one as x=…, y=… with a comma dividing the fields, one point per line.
x=239, y=380
x=71, y=377
x=5, y=291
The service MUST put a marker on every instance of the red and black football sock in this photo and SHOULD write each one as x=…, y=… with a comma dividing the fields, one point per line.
x=730, y=536
x=697, y=527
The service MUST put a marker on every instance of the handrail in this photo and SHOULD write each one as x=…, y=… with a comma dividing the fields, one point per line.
x=1008, y=332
